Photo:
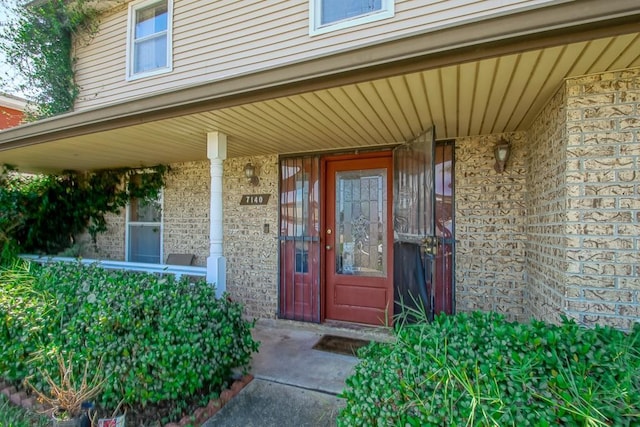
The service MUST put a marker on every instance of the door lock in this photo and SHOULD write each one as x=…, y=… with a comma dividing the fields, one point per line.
x=430, y=250
x=430, y=245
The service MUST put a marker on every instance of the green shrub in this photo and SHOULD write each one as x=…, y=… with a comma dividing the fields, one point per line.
x=158, y=339
x=45, y=213
x=27, y=320
x=14, y=416
x=478, y=369
x=36, y=40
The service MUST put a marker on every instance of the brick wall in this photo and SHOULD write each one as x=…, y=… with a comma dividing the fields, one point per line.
x=603, y=209
x=546, y=205
x=252, y=254
x=252, y=267
x=490, y=227
x=186, y=210
x=110, y=244
x=185, y=216
x=557, y=233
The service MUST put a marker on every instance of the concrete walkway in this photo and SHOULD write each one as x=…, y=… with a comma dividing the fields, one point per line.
x=294, y=384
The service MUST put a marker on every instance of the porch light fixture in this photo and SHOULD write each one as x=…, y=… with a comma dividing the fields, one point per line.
x=250, y=173
x=501, y=151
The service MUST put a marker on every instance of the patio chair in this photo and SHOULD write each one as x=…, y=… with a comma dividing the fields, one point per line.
x=180, y=259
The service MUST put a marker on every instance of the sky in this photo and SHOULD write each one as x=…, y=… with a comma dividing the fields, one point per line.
x=7, y=74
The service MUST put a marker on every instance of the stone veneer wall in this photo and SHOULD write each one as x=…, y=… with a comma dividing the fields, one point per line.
x=186, y=210
x=490, y=227
x=603, y=186
x=185, y=216
x=546, y=204
x=110, y=244
x=252, y=254
x=252, y=263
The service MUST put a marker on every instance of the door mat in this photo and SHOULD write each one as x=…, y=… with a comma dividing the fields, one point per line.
x=340, y=345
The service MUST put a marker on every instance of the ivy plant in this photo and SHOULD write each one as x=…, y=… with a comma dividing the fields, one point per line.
x=478, y=369
x=44, y=213
x=38, y=43
x=159, y=342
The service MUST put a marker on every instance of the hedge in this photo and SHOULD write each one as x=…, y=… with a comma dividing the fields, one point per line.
x=156, y=339
x=480, y=370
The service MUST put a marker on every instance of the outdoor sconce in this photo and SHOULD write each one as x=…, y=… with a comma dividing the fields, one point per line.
x=250, y=173
x=501, y=151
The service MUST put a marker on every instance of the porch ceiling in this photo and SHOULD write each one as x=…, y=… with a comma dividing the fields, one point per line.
x=495, y=95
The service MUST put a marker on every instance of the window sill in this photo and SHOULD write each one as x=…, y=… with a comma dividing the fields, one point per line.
x=316, y=29
x=156, y=72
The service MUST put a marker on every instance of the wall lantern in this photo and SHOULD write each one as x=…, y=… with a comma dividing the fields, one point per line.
x=501, y=151
x=250, y=173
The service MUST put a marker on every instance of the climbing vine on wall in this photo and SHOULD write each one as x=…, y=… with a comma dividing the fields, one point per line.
x=37, y=41
x=45, y=213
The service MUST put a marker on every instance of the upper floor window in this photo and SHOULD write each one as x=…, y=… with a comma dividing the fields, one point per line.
x=330, y=15
x=149, y=38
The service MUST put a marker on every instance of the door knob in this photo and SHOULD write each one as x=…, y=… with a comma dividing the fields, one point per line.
x=328, y=247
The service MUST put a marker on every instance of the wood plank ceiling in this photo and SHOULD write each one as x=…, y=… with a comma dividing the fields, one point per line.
x=486, y=97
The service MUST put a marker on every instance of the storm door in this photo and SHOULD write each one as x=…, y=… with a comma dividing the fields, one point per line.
x=299, y=296
x=357, y=238
x=443, y=295
x=360, y=232
x=416, y=244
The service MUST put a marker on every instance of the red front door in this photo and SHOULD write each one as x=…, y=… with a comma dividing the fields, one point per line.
x=340, y=237
x=357, y=237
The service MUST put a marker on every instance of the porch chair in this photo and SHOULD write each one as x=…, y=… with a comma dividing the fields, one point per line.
x=180, y=259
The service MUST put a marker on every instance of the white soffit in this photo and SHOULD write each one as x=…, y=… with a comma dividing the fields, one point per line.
x=490, y=96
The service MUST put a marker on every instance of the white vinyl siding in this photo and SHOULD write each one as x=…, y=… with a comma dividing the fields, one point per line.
x=149, y=38
x=214, y=41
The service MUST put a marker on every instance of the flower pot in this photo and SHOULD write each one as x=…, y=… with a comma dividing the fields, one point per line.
x=112, y=422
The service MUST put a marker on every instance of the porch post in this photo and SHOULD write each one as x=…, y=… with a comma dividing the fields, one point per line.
x=216, y=263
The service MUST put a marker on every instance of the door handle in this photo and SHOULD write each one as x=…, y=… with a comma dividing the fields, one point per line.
x=430, y=245
x=328, y=247
x=430, y=250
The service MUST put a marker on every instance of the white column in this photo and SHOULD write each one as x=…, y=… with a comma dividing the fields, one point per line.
x=216, y=263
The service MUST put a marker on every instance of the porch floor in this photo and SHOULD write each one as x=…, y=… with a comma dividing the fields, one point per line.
x=294, y=384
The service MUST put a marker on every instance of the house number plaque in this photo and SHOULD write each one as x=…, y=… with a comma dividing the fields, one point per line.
x=254, y=199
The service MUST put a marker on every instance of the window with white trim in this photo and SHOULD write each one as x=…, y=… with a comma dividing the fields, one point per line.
x=149, y=47
x=144, y=229
x=330, y=15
